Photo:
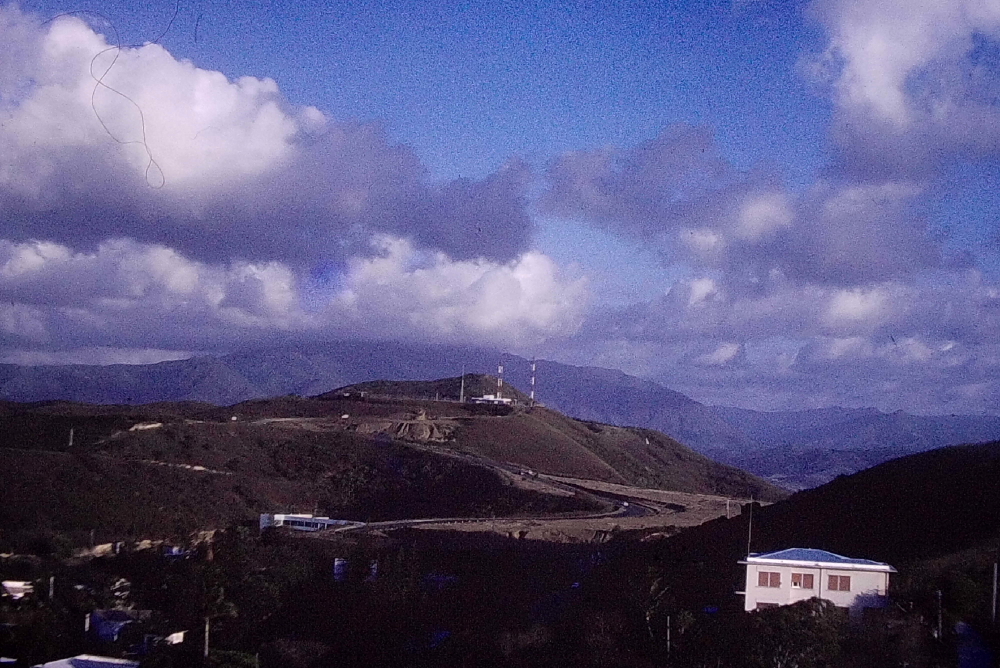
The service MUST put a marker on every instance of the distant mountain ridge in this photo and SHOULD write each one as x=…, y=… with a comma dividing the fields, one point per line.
x=798, y=449
x=587, y=393
x=802, y=449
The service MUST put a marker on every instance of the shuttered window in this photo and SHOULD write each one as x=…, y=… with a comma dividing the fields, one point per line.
x=768, y=579
x=802, y=580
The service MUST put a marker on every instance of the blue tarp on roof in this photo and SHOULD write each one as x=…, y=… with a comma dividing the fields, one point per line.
x=810, y=554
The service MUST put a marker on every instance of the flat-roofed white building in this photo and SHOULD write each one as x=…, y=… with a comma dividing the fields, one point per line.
x=492, y=399
x=89, y=661
x=797, y=574
x=16, y=589
x=302, y=522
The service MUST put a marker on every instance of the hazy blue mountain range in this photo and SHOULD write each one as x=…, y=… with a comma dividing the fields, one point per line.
x=794, y=448
x=802, y=449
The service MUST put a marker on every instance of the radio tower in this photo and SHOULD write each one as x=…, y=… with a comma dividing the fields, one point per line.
x=532, y=395
x=500, y=381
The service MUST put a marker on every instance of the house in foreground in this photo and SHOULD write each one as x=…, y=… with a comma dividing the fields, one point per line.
x=798, y=574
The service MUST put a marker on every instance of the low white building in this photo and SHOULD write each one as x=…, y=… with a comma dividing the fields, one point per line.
x=798, y=574
x=16, y=589
x=303, y=522
x=89, y=661
x=492, y=399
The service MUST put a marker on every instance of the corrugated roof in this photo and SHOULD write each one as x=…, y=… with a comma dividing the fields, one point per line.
x=811, y=554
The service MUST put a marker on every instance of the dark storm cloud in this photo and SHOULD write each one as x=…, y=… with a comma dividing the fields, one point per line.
x=671, y=181
x=676, y=191
x=217, y=169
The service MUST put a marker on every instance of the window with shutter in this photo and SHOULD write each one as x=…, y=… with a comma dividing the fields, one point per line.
x=768, y=579
x=802, y=580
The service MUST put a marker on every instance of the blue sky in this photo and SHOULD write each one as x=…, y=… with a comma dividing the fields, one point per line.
x=469, y=85
x=745, y=200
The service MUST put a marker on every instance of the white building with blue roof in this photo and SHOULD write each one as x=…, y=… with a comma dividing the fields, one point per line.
x=797, y=574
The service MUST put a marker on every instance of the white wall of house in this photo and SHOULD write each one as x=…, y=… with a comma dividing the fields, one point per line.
x=864, y=588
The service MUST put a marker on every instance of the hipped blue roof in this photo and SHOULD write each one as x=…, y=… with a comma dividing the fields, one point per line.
x=811, y=554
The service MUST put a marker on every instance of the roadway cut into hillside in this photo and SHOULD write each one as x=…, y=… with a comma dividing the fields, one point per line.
x=166, y=469
x=574, y=458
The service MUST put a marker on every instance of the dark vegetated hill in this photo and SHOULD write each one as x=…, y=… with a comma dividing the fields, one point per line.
x=47, y=425
x=917, y=507
x=141, y=483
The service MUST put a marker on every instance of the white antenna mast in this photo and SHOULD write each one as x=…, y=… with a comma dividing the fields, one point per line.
x=461, y=392
x=500, y=381
x=532, y=396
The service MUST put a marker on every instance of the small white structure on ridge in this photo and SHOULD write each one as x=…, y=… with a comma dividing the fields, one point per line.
x=303, y=522
x=797, y=574
x=492, y=399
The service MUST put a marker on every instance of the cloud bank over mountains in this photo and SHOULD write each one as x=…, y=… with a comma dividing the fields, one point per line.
x=149, y=205
x=839, y=292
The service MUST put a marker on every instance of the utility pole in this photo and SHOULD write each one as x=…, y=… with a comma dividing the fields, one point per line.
x=940, y=628
x=750, y=526
x=994, y=593
x=206, y=636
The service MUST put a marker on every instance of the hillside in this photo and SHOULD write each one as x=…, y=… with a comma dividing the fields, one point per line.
x=170, y=468
x=797, y=449
x=904, y=511
x=547, y=441
x=169, y=472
